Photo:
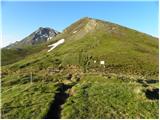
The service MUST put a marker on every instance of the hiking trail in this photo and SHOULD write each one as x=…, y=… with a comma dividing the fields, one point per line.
x=60, y=98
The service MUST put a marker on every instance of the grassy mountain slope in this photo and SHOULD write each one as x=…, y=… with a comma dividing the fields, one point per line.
x=15, y=54
x=124, y=50
x=130, y=57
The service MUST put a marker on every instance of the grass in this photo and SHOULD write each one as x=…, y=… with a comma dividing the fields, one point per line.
x=100, y=98
x=23, y=99
x=13, y=55
x=28, y=101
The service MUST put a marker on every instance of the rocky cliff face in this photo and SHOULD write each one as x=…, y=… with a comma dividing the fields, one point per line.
x=43, y=34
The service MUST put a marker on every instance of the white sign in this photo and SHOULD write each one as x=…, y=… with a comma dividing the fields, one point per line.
x=102, y=62
x=74, y=31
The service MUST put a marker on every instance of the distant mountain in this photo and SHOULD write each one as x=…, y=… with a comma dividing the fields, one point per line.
x=39, y=36
x=29, y=45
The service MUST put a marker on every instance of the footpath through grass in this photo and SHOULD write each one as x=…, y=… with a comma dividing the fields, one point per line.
x=91, y=96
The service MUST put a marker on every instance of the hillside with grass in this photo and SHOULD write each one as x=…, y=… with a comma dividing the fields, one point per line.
x=102, y=70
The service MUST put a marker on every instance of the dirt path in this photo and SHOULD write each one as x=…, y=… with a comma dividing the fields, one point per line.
x=59, y=99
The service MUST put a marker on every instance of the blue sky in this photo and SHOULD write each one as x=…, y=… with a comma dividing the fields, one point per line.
x=19, y=19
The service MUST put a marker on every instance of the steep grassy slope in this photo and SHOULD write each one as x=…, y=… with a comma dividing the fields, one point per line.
x=130, y=57
x=121, y=48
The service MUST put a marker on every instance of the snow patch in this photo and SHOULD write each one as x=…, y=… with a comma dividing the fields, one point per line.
x=74, y=31
x=45, y=35
x=49, y=38
x=54, y=45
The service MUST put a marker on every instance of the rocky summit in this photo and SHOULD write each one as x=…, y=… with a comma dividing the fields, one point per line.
x=39, y=36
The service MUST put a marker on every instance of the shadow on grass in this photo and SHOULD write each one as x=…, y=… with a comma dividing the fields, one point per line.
x=152, y=81
x=59, y=99
x=152, y=94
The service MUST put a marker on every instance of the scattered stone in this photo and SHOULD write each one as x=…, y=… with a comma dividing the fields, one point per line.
x=69, y=76
x=78, y=77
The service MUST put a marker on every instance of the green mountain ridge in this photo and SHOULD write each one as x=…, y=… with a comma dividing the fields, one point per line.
x=69, y=81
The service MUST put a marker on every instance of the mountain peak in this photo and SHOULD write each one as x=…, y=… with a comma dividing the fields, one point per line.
x=83, y=23
x=45, y=32
x=45, y=28
x=87, y=18
x=42, y=34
